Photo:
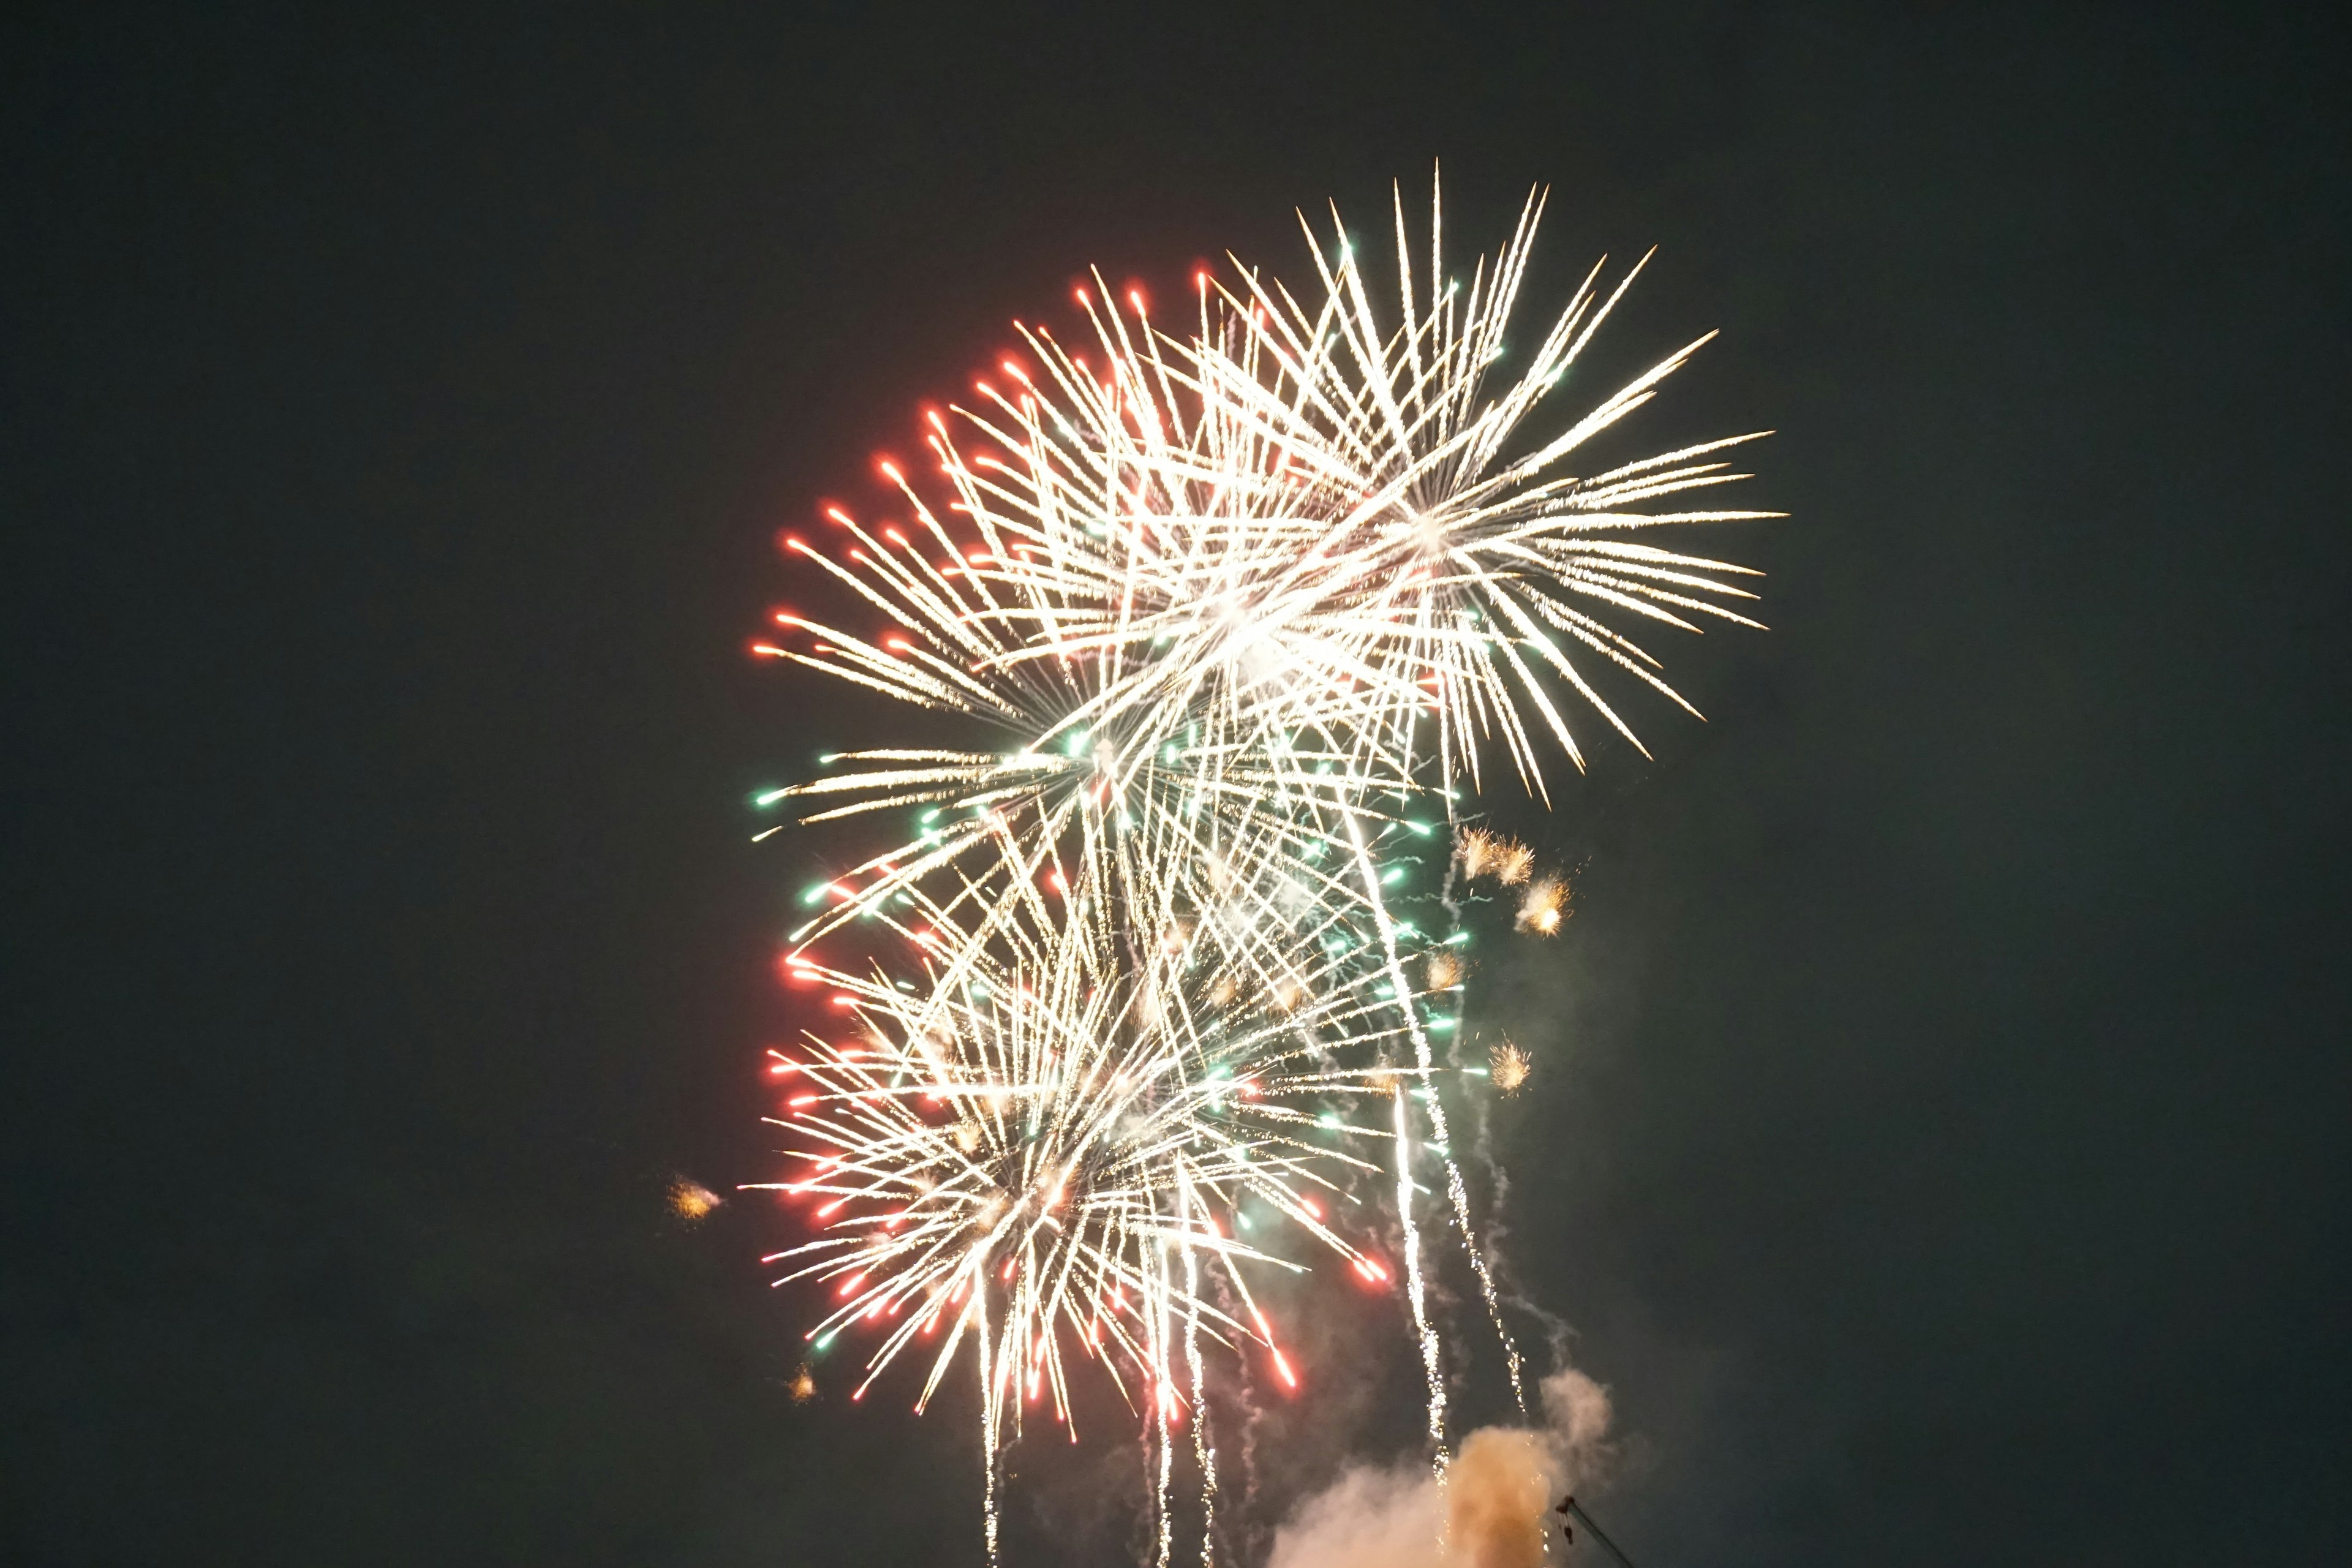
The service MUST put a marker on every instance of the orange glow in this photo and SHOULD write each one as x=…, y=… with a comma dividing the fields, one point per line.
x=690, y=1200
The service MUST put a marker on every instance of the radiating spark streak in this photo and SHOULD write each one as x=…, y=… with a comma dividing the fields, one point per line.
x=1243, y=608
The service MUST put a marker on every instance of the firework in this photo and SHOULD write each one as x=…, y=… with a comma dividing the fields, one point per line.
x=1122, y=1007
x=1507, y=1067
x=1544, y=906
x=690, y=1200
x=1485, y=854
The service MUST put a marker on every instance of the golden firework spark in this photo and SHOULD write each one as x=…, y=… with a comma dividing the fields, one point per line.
x=1444, y=971
x=1507, y=1068
x=1544, y=907
x=1477, y=847
x=803, y=1387
x=690, y=1200
x=1486, y=854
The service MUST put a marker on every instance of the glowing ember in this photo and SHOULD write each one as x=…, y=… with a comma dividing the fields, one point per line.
x=691, y=1200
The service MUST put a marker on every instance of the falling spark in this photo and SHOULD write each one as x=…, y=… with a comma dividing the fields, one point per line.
x=1104, y=1007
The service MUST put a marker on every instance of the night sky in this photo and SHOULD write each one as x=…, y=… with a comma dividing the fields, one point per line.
x=1938, y=1138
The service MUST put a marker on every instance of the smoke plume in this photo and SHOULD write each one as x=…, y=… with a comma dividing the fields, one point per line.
x=1493, y=1510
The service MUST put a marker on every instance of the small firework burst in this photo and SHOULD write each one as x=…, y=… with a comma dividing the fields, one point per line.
x=1478, y=849
x=1509, y=1067
x=690, y=1200
x=1486, y=854
x=1444, y=971
x=1544, y=907
x=803, y=1387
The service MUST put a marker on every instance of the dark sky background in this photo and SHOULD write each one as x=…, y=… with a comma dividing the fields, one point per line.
x=1939, y=1140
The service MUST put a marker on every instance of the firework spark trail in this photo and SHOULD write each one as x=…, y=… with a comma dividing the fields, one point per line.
x=1164, y=1409
x=1440, y=1141
x=1203, y=1454
x=1441, y=980
x=1117, y=981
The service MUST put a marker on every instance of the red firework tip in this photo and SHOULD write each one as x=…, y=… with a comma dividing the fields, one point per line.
x=891, y=471
x=1135, y=298
x=837, y=515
